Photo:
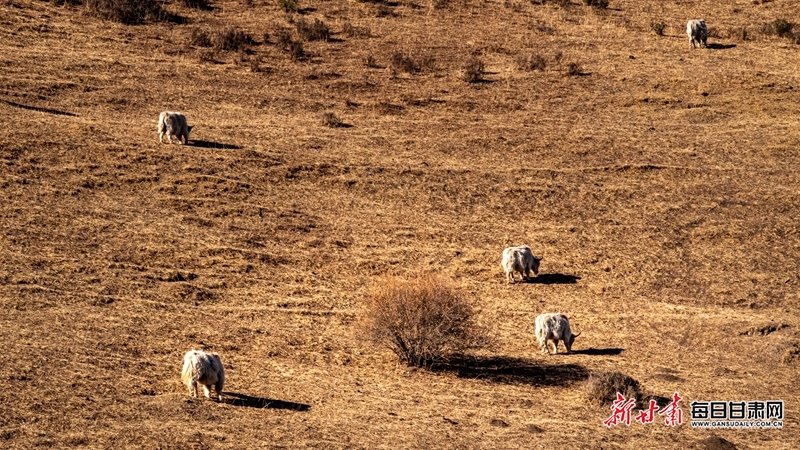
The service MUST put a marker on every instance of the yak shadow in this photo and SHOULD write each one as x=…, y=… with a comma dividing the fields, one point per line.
x=40, y=109
x=720, y=46
x=599, y=351
x=210, y=144
x=235, y=399
x=553, y=278
x=512, y=370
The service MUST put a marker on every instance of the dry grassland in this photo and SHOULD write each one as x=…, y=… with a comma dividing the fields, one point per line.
x=660, y=184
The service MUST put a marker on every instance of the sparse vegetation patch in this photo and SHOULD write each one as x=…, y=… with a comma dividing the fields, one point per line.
x=313, y=31
x=197, y=4
x=232, y=39
x=403, y=63
x=602, y=387
x=596, y=3
x=288, y=6
x=130, y=12
x=658, y=27
x=532, y=61
x=199, y=38
x=473, y=70
x=330, y=120
x=351, y=31
x=574, y=69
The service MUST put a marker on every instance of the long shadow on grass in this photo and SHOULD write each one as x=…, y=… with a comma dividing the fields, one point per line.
x=599, y=351
x=235, y=399
x=40, y=109
x=553, y=278
x=512, y=370
x=211, y=144
x=720, y=46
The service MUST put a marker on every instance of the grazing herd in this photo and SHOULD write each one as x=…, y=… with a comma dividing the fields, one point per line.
x=206, y=369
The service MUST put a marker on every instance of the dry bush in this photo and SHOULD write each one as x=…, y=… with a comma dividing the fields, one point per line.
x=370, y=62
x=573, y=69
x=197, y=4
x=427, y=63
x=295, y=49
x=254, y=64
x=232, y=39
x=473, y=70
x=284, y=41
x=352, y=31
x=533, y=61
x=779, y=27
x=313, y=31
x=791, y=353
x=422, y=320
x=403, y=63
x=560, y=3
x=658, y=27
x=207, y=55
x=384, y=11
x=129, y=12
x=330, y=120
x=199, y=38
x=283, y=38
x=288, y=6
x=602, y=387
x=602, y=4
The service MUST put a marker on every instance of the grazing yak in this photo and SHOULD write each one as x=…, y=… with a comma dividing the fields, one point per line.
x=698, y=32
x=205, y=369
x=519, y=259
x=173, y=124
x=554, y=327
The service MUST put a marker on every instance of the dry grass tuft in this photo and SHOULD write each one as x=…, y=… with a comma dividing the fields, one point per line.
x=602, y=4
x=778, y=27
x=289, y=6
x=401, y=62
x=313, y=31
x=352, y=31
x=422, y=320
x=129, y=12
x=199, y=38
x=330, y=120
x=574, y=69
x=791, y=354
x=658, y=27
x=532, y=61
x=473, y=70
x=232, y=39
x=602, y=387
x=198, y=4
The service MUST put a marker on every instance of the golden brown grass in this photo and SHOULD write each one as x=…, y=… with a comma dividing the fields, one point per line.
x=659, y=185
